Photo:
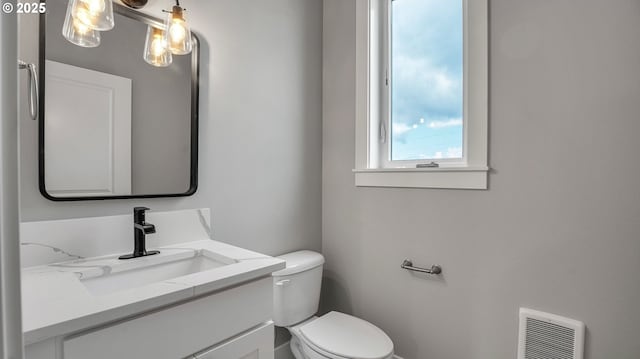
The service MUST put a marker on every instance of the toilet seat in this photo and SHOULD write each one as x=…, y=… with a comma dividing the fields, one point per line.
x=337, y=335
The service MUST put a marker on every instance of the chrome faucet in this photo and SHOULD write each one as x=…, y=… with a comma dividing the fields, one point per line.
x=140, y=229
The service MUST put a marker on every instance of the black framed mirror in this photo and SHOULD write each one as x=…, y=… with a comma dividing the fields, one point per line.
x=111, y=125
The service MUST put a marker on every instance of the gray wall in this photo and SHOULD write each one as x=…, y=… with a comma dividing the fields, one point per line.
x=260, y=134
x=558, y=228
x=161, y=99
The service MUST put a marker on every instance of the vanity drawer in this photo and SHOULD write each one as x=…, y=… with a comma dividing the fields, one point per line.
x=178, y=331
x=256, y=344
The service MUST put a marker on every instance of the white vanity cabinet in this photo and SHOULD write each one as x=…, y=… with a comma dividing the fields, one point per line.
x=234, y=323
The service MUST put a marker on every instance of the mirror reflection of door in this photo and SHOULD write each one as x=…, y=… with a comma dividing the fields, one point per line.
x=88, y=132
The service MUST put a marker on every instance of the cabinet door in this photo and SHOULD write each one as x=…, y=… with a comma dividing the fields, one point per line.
x=41, y=350
x=256, y=344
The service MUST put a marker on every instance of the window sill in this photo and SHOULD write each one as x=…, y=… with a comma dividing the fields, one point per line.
x=443, y=177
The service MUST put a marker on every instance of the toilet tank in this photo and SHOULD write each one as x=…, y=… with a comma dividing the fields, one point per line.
x=296, y=289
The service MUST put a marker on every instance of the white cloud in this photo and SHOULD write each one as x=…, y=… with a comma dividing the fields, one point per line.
x=434, y=82
x=401, y=128
x=427, y=63
x=448, y=123
x=454, y=152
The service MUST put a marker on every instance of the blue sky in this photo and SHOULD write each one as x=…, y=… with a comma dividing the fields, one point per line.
x=426, y=79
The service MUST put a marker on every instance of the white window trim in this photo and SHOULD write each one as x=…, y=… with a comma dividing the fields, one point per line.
x=369, y=172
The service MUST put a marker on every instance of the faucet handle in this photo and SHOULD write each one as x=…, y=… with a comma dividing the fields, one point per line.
x=138, y=214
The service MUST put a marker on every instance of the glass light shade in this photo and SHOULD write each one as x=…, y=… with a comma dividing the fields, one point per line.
x=95, y=14
x=178, y=33
x=77, y=32
x=155, y=48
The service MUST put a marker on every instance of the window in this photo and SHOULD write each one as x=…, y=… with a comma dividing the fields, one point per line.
x=421, y=102
x=425, y=83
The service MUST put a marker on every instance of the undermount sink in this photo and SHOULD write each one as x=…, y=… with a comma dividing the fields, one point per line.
x=150, y=272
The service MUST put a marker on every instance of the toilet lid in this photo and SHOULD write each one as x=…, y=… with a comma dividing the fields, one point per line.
x=346, y=336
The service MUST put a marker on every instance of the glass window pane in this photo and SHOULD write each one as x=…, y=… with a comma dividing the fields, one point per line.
x=426, y=79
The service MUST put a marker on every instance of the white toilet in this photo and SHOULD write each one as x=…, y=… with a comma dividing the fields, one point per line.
x=334, y=335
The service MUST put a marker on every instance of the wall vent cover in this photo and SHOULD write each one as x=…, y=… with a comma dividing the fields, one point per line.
x=548, y=336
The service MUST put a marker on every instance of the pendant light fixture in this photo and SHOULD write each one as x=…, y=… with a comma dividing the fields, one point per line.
x=85, y=20
x=96, y=14
x=155, y=48
x=177, y=34
x=76, y=31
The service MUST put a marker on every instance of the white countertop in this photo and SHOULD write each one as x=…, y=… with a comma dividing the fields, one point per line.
x=55, y=302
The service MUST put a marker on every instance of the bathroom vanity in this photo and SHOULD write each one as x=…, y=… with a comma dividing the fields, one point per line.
x=201, y=299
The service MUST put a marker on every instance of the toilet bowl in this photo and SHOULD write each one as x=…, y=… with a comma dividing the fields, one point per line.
x=337, y=335
x=334, y=335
